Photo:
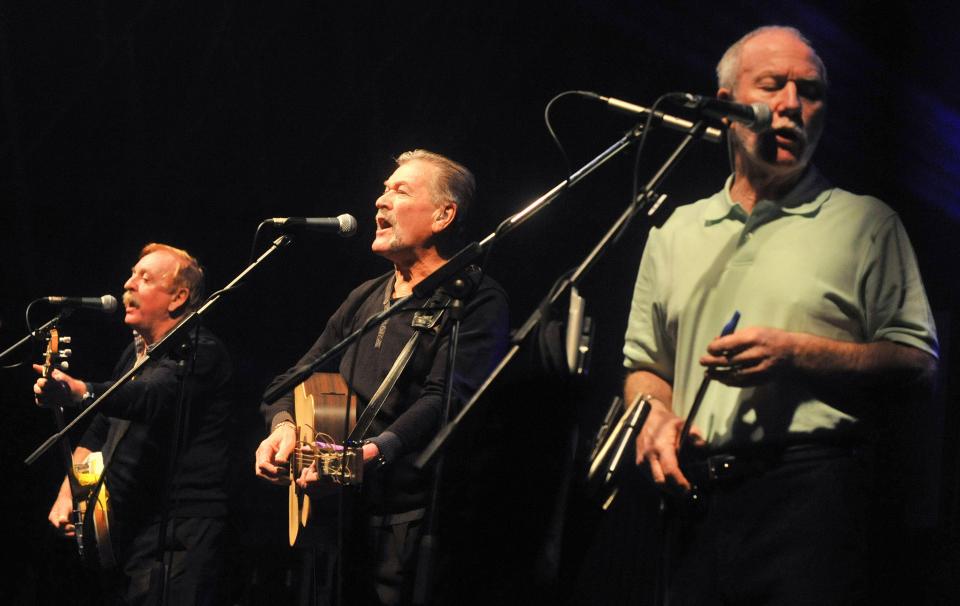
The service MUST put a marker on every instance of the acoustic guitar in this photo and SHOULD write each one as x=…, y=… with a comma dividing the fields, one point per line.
x=94, y=547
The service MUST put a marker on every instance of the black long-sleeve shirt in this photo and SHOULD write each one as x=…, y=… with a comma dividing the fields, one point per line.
x=411, y=415
x=136, y=474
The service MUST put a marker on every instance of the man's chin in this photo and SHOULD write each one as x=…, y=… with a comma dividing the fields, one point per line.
x=784, y=165
x=132, y=320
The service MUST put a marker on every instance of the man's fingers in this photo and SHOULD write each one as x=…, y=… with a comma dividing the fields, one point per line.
x=729, y=344
x=62, y=524
x=263, y=466
x=307, y=477
x=272, y=474
x=284, y=450
x=695, y=439
x=656, y=472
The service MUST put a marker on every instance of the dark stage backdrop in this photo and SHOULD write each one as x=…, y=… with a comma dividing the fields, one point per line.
x=124, y=123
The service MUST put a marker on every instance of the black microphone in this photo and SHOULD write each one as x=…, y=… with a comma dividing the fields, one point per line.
x=710, y=134
x=756, y=116
x=343, y=225
x=107, y=303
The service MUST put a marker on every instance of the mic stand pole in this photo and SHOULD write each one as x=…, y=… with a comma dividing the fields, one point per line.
x=428, y=548
x=175, y=336
x=441, y=439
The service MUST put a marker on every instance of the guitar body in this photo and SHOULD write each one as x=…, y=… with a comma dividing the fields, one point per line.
x=320, y=407
x=93, y=526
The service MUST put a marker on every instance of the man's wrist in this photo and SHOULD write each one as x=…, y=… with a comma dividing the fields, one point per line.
x=284, y=423
x=389, y=445
x=87, y=396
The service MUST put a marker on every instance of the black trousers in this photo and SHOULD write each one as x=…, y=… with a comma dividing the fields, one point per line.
x=196, y=564
x=795, y=534
x=384, y=567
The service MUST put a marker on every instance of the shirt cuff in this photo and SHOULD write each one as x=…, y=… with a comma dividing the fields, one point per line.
x=280, y=417
x=389, y=445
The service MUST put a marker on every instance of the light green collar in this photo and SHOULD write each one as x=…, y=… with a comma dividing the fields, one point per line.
x=805, y=199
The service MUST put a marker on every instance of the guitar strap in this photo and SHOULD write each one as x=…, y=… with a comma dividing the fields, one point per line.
x=426, y=319
x=118, y=429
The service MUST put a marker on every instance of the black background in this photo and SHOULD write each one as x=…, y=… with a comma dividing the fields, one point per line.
x=124, y=123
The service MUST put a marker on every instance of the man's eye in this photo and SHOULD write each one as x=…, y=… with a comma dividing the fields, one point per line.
x=811, y=91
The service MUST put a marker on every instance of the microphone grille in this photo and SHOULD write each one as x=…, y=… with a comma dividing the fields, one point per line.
x=109, y=303
x=763, y=117
x=348, y=225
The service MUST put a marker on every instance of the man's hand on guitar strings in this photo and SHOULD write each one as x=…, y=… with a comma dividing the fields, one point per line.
x=273, y=455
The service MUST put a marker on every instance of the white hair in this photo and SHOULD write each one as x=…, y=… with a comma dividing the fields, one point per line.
x=729, y=66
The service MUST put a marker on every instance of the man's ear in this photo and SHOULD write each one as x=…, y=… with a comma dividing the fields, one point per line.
x=444, y=216
x=725, y=94
x=178, y=303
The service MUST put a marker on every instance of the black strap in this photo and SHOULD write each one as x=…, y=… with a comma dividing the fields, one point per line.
x=427, y=318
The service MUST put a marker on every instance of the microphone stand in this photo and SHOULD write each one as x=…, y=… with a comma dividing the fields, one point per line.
x=612, y=235
x=174, y=337
x=428, y=548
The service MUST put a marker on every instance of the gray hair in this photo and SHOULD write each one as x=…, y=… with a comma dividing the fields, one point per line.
x=454, y=182
x=729, y=66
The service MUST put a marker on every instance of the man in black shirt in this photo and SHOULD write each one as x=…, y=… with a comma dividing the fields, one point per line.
x=423, y=204
x=134, y=429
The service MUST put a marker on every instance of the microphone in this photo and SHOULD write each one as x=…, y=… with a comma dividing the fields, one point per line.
x=756, y=116
x=710, y=134
x=343, y=225
x=107, y=303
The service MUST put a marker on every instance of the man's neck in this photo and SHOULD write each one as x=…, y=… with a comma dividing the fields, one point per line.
x=411, y=273
x=752, y=184
x=150, y=337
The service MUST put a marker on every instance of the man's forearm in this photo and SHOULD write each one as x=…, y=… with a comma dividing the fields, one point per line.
x=79, y=454
x=641, y=382
x=877, y=363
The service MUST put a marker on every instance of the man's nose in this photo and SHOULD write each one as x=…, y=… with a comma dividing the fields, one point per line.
x=788, y=100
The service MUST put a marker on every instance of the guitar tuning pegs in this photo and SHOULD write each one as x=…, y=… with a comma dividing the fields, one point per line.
x=65, y=340
x=65, y=353
x=64, y=365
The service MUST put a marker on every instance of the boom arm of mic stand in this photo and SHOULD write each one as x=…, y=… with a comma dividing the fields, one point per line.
x=473, y=250
x=36, y=334
x=275, y=393
x=162, y=346
x=443, y=436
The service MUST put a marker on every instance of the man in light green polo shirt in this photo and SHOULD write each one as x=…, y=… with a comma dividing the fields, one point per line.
x=832, y=313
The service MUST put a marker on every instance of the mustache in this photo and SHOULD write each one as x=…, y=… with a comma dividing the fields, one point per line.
x=130, y=301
